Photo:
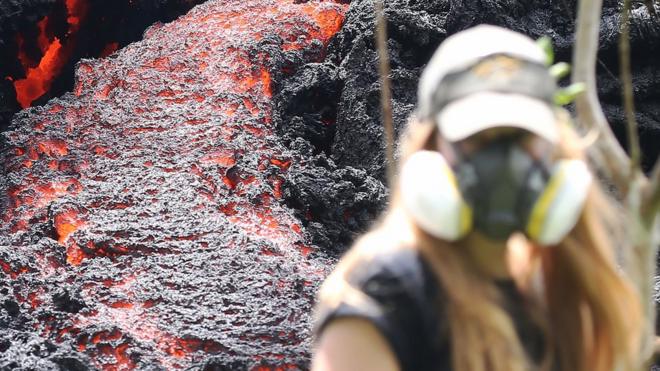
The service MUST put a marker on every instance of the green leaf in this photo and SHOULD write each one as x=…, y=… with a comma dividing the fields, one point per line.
x=546, y=44
x=560, y=70
x=568, y=94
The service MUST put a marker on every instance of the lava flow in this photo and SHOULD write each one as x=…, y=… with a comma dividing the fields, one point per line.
x=55, y=54
x=143, y=221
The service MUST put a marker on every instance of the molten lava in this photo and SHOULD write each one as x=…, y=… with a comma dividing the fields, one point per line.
x=55, y=54
x=153, y=195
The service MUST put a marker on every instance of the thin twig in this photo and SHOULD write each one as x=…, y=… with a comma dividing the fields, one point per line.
x=385, y=91
x=627, y=89
x=640, y=225
x=651, y=8
x=589, y=111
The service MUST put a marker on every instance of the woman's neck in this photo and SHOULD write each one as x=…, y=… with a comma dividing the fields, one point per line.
x=489, y=256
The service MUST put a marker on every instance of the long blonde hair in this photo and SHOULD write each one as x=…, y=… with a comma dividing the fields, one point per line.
x=589, y=312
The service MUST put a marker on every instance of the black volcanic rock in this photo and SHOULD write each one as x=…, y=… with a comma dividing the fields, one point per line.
x=415, y=29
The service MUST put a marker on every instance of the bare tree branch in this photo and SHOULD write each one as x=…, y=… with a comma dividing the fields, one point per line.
x=385, y=91
x=624, y=172
x=589, y=110
x=627, y=89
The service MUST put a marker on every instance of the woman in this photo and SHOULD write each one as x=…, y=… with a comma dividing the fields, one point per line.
x=496, y=250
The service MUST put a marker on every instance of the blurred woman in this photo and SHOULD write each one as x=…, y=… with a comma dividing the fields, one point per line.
x=496, y=251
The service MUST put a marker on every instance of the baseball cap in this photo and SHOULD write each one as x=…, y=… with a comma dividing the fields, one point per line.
x=486, y=77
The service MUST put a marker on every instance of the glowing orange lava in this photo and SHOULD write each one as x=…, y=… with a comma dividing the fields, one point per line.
x=39, y=78
x=66, y=223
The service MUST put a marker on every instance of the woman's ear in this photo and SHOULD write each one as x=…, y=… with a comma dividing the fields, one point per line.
x=431, y=143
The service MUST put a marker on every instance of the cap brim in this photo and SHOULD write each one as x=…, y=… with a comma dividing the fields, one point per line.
x=470, y=115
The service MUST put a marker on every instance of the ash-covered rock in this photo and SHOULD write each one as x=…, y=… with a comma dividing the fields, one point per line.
x=24, y=350
x=143, y=218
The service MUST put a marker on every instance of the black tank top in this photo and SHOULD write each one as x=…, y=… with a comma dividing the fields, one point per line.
x=407, y=309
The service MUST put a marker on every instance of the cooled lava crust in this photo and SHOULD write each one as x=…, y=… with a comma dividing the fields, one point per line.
x=144, y=223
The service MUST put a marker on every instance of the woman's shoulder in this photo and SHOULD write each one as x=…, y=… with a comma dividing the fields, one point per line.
x=392, y=270
x=366, y=279
x=395, y=290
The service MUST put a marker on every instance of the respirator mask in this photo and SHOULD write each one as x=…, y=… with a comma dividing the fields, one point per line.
x=500, y=182
x=498, y=190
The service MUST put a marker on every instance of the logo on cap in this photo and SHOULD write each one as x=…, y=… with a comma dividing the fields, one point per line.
x=500, y=67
